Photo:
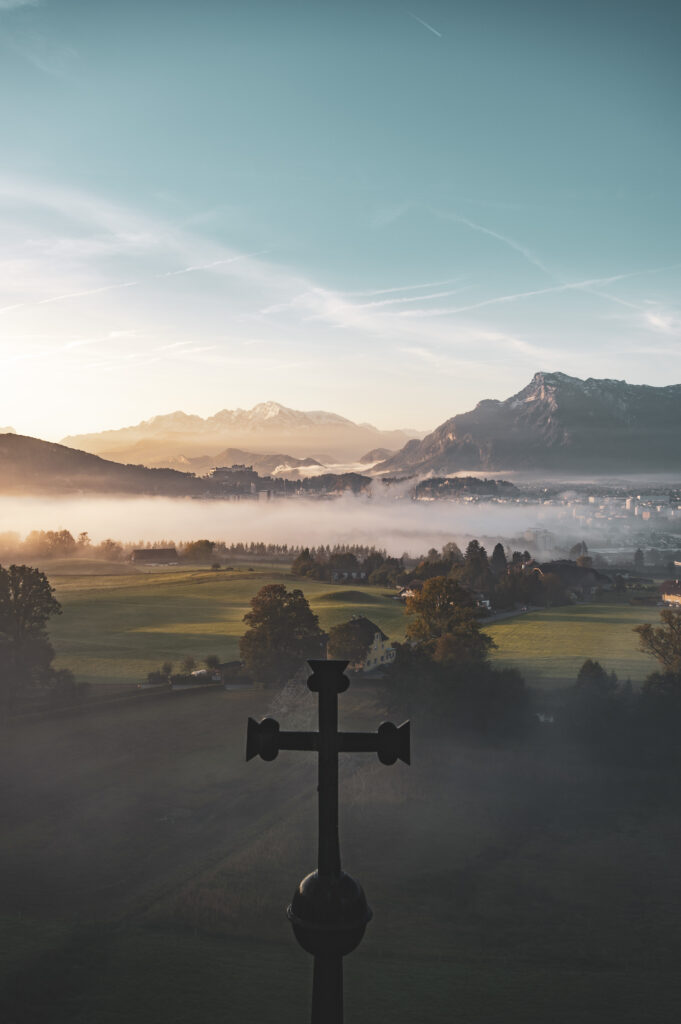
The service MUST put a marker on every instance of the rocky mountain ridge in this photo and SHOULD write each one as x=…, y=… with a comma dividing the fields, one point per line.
x=557, y=423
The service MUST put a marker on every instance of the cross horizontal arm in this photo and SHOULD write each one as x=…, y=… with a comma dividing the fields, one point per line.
x=357, y=742
x=299, y=741
x=389, y=742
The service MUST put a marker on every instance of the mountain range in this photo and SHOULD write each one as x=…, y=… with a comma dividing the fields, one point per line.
x=557, y=424
x=267, y=427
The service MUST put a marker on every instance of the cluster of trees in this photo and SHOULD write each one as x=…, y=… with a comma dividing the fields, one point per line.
x=614, y=719
x=63, y=544
x=444, y=668
x=27, y=602
x=57, y=544
x=501, y=580
x=350, y=561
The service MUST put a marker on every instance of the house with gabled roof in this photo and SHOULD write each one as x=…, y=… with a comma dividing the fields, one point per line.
x=380, y=653
x=670, y=592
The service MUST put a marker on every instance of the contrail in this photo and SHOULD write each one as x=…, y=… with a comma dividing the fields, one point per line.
x=89, y=291
x=406, y=287
x=215, y=263
x=131, y=284
x=425, y=24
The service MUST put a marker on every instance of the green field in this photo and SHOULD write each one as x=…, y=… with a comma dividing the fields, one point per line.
x=119, y=623
x=146, y=868
x=549, y=646
x=115, y=628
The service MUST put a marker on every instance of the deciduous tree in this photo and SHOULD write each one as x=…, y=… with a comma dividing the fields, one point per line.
x=283, y=633
x=446, y=623
x=26, y=603
x=350, y=641
x=663, y=642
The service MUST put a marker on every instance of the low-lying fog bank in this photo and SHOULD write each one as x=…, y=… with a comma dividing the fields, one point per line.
x=398, y=526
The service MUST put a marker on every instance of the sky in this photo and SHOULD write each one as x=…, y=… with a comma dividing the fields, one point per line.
x=389, y=211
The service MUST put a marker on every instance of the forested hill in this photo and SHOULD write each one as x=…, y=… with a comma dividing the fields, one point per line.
x=31, y=466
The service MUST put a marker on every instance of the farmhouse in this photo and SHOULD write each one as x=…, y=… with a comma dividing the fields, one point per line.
x=670, y=592
x=155, y=556
x=380, y=650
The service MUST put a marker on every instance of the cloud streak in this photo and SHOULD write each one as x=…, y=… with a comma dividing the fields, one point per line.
x=425, y=24
x=506, y=240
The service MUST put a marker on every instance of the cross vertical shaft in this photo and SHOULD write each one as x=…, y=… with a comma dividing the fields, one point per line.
x=328, y=857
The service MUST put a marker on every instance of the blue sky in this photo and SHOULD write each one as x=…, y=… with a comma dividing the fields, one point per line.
x=388, y=211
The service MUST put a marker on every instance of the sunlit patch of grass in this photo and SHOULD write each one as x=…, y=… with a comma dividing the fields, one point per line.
x=117, y=629
x=549, y=646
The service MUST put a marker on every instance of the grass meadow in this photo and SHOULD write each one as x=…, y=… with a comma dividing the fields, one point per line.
x=119, y=623
x=118, y=626
x=549, y=646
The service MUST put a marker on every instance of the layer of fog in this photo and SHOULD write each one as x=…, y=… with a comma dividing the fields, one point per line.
x=304, y=472
x=396, y=525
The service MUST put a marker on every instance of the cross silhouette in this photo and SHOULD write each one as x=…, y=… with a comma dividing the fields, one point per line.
x=329, y=911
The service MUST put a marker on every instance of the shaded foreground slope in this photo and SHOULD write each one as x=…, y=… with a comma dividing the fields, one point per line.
x=147, y=869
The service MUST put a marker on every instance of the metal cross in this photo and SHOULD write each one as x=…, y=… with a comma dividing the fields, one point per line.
x=329, y=911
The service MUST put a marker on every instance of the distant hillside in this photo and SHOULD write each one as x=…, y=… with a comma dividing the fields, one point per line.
x=556, y=424
x=376, y=455
x=267, y=427
x=31, y=466
x=265, y=465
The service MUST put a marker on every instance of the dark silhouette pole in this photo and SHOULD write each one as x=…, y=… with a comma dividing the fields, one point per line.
x=329, y=911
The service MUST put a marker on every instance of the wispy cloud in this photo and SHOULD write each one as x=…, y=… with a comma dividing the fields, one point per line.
x=506, y=240
x=405, y=287
x=425, y=24
x=87, y=291
x=588, y=285
x=129, y=290
x=411, y=298
x=42, y=53
x=215, y=263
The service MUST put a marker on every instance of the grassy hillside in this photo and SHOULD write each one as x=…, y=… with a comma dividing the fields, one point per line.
x=116, y=628
x=550, y=646
x=146, y=868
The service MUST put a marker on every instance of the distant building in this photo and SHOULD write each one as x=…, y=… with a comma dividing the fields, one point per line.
x=236, y=479
x=155, y=556
x=543, y=539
